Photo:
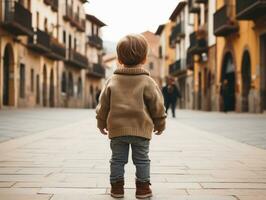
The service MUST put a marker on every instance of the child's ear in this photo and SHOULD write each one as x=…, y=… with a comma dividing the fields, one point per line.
x=144, y=61
x=119, y=61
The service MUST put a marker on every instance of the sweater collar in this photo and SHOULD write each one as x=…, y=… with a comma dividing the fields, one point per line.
x=132, y=71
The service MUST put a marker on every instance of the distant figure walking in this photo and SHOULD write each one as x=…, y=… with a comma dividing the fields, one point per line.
x=171, y=94
x=227, y=94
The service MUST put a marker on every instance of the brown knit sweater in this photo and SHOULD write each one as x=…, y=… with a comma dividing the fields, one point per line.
x=131, y=103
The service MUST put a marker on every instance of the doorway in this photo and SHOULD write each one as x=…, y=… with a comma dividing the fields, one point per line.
x=246, y=81
x=228, y=83
x=263, y=71
x=8, y=77
x=44, y=90
x=51, y=95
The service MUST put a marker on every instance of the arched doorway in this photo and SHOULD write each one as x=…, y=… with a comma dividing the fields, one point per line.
x=228, y=83
x=44, y=88
x=246, y=80
x=8, y=77
x=51, y=94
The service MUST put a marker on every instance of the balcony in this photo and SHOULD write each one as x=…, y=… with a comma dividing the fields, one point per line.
x=48, y=2
x=175, y=68
x=193, y=6
x=57, y=50
x=79, y=23
x=77, y=59
x=177, y=33
x=40, y=42
x=250, y=9
x=201, y=1
x=97, y=70
x=55, y=5
x=95, y=41
x=68, y=15
x=224, y=24
x=198, y=43
x=17, y=19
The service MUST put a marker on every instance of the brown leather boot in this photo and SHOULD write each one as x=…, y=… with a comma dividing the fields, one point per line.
x=143, y=190
x=117, y=189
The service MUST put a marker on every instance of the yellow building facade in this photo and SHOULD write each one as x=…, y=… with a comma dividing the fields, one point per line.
x=240, y=73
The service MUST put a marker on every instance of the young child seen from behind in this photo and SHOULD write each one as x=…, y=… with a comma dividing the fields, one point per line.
x=130, y=109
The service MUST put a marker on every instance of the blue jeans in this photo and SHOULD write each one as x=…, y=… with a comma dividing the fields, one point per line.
x=140, y=157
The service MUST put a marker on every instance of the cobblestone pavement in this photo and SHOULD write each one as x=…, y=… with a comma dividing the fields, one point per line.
x=21, y=122
x=246, y=128
x=70, y=162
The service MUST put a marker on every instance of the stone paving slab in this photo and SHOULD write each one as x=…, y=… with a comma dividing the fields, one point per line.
x=72, y=162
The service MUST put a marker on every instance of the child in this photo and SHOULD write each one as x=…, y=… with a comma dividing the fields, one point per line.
x=130, y=108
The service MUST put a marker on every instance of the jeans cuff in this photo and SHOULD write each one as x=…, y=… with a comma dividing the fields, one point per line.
x=116, y=180
x=143, y=180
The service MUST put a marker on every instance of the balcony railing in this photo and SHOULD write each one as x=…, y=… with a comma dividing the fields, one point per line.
x=55, y=5
x=48, y=2
x=175, y=68
x=177, y=33
x=224, y=24
x=250, y=9
x=40, y=42
x=198, y=44
x=68, y=15
x=77, y=59
x=193, y=6
x=97, y=70
x=201, y=1
x=57, y=50
x=79, y=23
x=95, y=41
x=17, y=19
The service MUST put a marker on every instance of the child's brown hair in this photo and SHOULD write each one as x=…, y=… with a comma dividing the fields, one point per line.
x=132, y=50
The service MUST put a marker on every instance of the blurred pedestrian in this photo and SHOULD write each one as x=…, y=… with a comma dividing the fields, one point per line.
x=171, y=94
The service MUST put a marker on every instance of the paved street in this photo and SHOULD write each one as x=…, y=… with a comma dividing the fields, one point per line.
x=59, y=155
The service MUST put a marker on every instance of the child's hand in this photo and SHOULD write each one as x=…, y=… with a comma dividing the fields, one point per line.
x=104, y=131
x=158, y=132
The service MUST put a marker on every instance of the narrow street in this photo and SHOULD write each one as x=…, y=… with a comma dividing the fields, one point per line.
x=58, y=154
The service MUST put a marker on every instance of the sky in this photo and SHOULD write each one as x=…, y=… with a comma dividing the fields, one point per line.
x=130, y=16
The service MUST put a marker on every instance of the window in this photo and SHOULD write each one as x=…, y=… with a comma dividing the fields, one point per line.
x=69, y=41
x=64, y=37
x=79, y=87
x=151, y=65
x=75, y=44
x=46, y=25
x=32, y=80
x=37, y=19
x=92, y=29
x=22, y=81
x=160, y=52
x=70, y=84
x=63, y=83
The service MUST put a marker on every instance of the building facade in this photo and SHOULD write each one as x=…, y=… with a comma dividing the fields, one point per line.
x=181, y=68
x=240, y=29
x=226, y=53
x=166, y=53
x=153, y=64
x=43, y=53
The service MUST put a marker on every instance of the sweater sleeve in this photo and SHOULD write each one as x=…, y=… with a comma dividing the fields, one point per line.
x=103, y=107
x=155, y=103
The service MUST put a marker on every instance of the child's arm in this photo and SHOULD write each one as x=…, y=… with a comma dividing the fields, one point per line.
x=155, y=103
x=103, y=108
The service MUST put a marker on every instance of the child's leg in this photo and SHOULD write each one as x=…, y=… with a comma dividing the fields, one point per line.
x=140, y=157
x=119, y=158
